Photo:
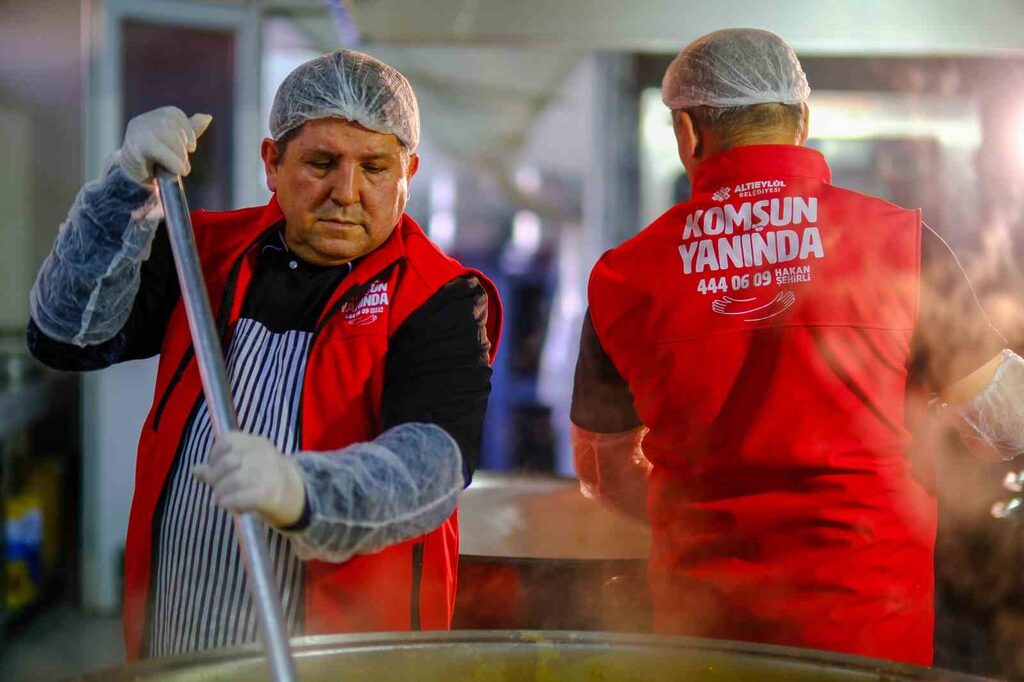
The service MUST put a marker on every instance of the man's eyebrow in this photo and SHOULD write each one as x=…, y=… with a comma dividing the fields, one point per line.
x=321, y=151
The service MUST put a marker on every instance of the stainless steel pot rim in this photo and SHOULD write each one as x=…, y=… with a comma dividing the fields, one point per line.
x=569, y=562
x=520, y=481
x=325, y=645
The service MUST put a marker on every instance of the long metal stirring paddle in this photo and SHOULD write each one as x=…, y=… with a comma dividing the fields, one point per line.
x=222, y=414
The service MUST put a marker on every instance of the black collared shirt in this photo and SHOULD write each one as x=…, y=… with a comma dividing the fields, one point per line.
x=436, y=368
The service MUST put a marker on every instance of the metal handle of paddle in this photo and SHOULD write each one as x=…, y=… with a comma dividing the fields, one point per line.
x=222, y=414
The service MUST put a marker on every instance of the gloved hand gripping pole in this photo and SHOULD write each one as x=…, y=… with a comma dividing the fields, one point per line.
x=222, y=414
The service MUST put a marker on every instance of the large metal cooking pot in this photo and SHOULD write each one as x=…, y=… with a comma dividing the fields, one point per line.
x=543, y=517
x=536, y=544
x=535, y=554
x=498, y=656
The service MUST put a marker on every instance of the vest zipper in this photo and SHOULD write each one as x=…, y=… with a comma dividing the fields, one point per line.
x=175, y=378
x=222, y=326
x=414, y=592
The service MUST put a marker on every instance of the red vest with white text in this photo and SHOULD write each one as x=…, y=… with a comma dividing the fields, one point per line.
x=764, y=329
x=410, y=585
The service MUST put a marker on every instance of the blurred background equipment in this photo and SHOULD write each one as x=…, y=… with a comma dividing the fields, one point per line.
x=39, y=484
x=542, y=147
x=537, y=555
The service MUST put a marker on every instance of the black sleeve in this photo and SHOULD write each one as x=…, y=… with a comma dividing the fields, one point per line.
x=437, y=368
x=142, y=333
x=601, y=399
x=954, y=336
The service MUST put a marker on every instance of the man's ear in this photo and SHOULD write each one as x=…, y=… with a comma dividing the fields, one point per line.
x=413, y=166
x=268, y=150
x=687, y=137
x=805, y=123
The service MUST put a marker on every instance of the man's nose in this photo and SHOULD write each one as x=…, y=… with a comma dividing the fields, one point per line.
x=346, y=185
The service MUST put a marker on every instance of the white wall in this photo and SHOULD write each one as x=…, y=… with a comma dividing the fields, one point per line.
x=41, y=87
x=17, y=250
x=562, y=138
x=115, y=403
x=42, y=81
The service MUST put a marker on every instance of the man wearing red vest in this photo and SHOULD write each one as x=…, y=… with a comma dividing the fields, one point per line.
x=748, y=369
x=358, y=355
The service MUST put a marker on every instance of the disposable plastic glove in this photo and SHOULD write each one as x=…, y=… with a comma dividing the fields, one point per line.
x=612, y=468
x=248, y=474
x=164, y=136
x=995, y=416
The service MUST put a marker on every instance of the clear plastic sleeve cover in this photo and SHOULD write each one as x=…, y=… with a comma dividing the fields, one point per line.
x=370, y=495
x=86, y=287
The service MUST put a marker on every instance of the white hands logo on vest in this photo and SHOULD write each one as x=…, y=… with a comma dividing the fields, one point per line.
x=753, y=309
x=722, y=194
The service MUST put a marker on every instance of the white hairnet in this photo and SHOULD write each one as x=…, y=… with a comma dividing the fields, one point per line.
x=734, y=67
x=349, y=85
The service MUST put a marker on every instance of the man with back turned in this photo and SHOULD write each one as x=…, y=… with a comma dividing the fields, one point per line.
x=750, y=365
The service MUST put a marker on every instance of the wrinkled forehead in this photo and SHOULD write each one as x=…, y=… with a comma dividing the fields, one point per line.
x=342, y=136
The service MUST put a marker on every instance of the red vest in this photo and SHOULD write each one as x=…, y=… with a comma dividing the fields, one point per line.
x=764, y=329
x=406, y=586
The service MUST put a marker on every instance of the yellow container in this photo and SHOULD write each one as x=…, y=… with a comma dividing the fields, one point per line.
x=23, y=562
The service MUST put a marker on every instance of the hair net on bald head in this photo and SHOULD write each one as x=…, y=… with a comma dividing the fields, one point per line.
x=349, y=85
x=734, y=67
